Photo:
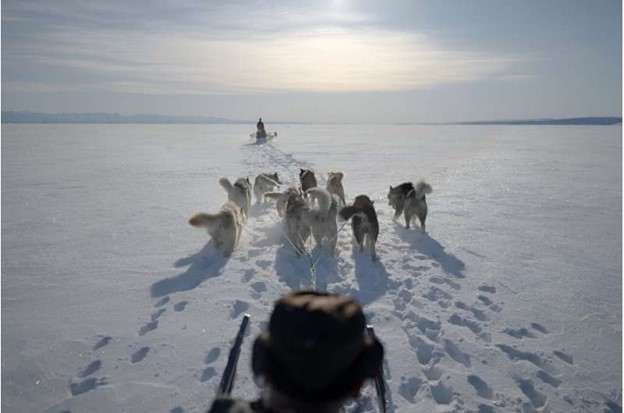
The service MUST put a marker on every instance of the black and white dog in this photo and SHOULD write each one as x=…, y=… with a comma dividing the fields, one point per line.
x=410, y=200
x=363, y=222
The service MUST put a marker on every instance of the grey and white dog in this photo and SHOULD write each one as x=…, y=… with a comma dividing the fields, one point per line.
x=239, y=193
x=297, y=230
x=322, y=219
x=281, y=198
x=224, y=227
x=416, y=204
x=334, y=185
x=363, y=222
x=410, y=200
x=264, y=183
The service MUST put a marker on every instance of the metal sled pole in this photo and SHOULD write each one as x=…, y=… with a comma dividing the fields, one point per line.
x=380, y=383
x=227, y=380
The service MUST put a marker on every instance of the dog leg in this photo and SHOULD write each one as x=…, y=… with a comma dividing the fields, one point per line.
x=318, y=236
x=397, y=213
x=281, y=206
x=370, y=244
x=373, y=251
x=341, y=195
x=332, y=246
x=228, y=249
x=359, y=238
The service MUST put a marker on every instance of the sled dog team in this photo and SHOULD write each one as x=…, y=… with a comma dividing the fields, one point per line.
x=310, y=210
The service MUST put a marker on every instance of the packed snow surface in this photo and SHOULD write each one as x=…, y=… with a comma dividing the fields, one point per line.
x=510, y=302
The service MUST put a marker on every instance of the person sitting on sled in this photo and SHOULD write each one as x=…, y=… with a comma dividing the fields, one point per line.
x=315, y=355
x=260, y=126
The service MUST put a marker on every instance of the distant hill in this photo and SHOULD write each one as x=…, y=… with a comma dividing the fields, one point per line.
x=34, y=117
x=567, y=121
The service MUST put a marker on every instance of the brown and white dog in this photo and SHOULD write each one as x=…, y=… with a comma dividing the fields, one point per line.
x=334, y=185
x=224, y=227
x=363, y=222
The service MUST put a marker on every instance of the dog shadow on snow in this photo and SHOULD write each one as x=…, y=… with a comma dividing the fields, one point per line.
x=421, y=241
x=371, y=276
x=206, y=263
x=295, y=271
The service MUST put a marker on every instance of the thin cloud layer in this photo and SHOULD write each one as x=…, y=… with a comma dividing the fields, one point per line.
x=258, y=51
x=324, y=60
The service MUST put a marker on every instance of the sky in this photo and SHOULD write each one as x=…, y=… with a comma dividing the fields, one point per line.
x=359, y=61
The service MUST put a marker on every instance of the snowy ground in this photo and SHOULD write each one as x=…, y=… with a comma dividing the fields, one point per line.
x=511, y=301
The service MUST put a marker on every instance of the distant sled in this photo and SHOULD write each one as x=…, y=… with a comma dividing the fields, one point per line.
x=263, y=136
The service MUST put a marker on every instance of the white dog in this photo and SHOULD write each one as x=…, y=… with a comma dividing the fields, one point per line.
x=322, y=220
x=239, y=193
x=334, y=185
x=224, y=227
x=265, y=183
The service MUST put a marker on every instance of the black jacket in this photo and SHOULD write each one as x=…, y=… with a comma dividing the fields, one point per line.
x=227, y=405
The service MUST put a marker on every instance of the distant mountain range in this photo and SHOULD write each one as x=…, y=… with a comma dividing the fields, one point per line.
x=566, y=121
x=34, y=117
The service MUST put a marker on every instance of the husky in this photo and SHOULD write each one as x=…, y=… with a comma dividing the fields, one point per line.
x=298, y=231
x=308, y=180
x=224, y=227
x=322, y=220
x=416, y=204
x=334, y=185
x=239, y=193
x=396, y=197
x=364, y=222
x=282, y=198
x=264, y=183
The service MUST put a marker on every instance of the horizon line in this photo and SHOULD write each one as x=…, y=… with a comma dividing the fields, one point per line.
x=116, y=118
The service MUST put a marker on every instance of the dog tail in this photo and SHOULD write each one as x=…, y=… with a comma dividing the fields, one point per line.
x=226, y=184
x=203, y=220
x=273, y=195
x=422, y=188
x=347, y=212
x=323, y=197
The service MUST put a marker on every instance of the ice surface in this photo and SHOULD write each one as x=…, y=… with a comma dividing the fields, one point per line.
x=510, y=302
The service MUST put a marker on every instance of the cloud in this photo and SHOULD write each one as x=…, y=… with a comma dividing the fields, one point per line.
x=324, y=60
x=258, y=51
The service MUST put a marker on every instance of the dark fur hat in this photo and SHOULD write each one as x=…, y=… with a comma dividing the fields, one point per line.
x=316, y=348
